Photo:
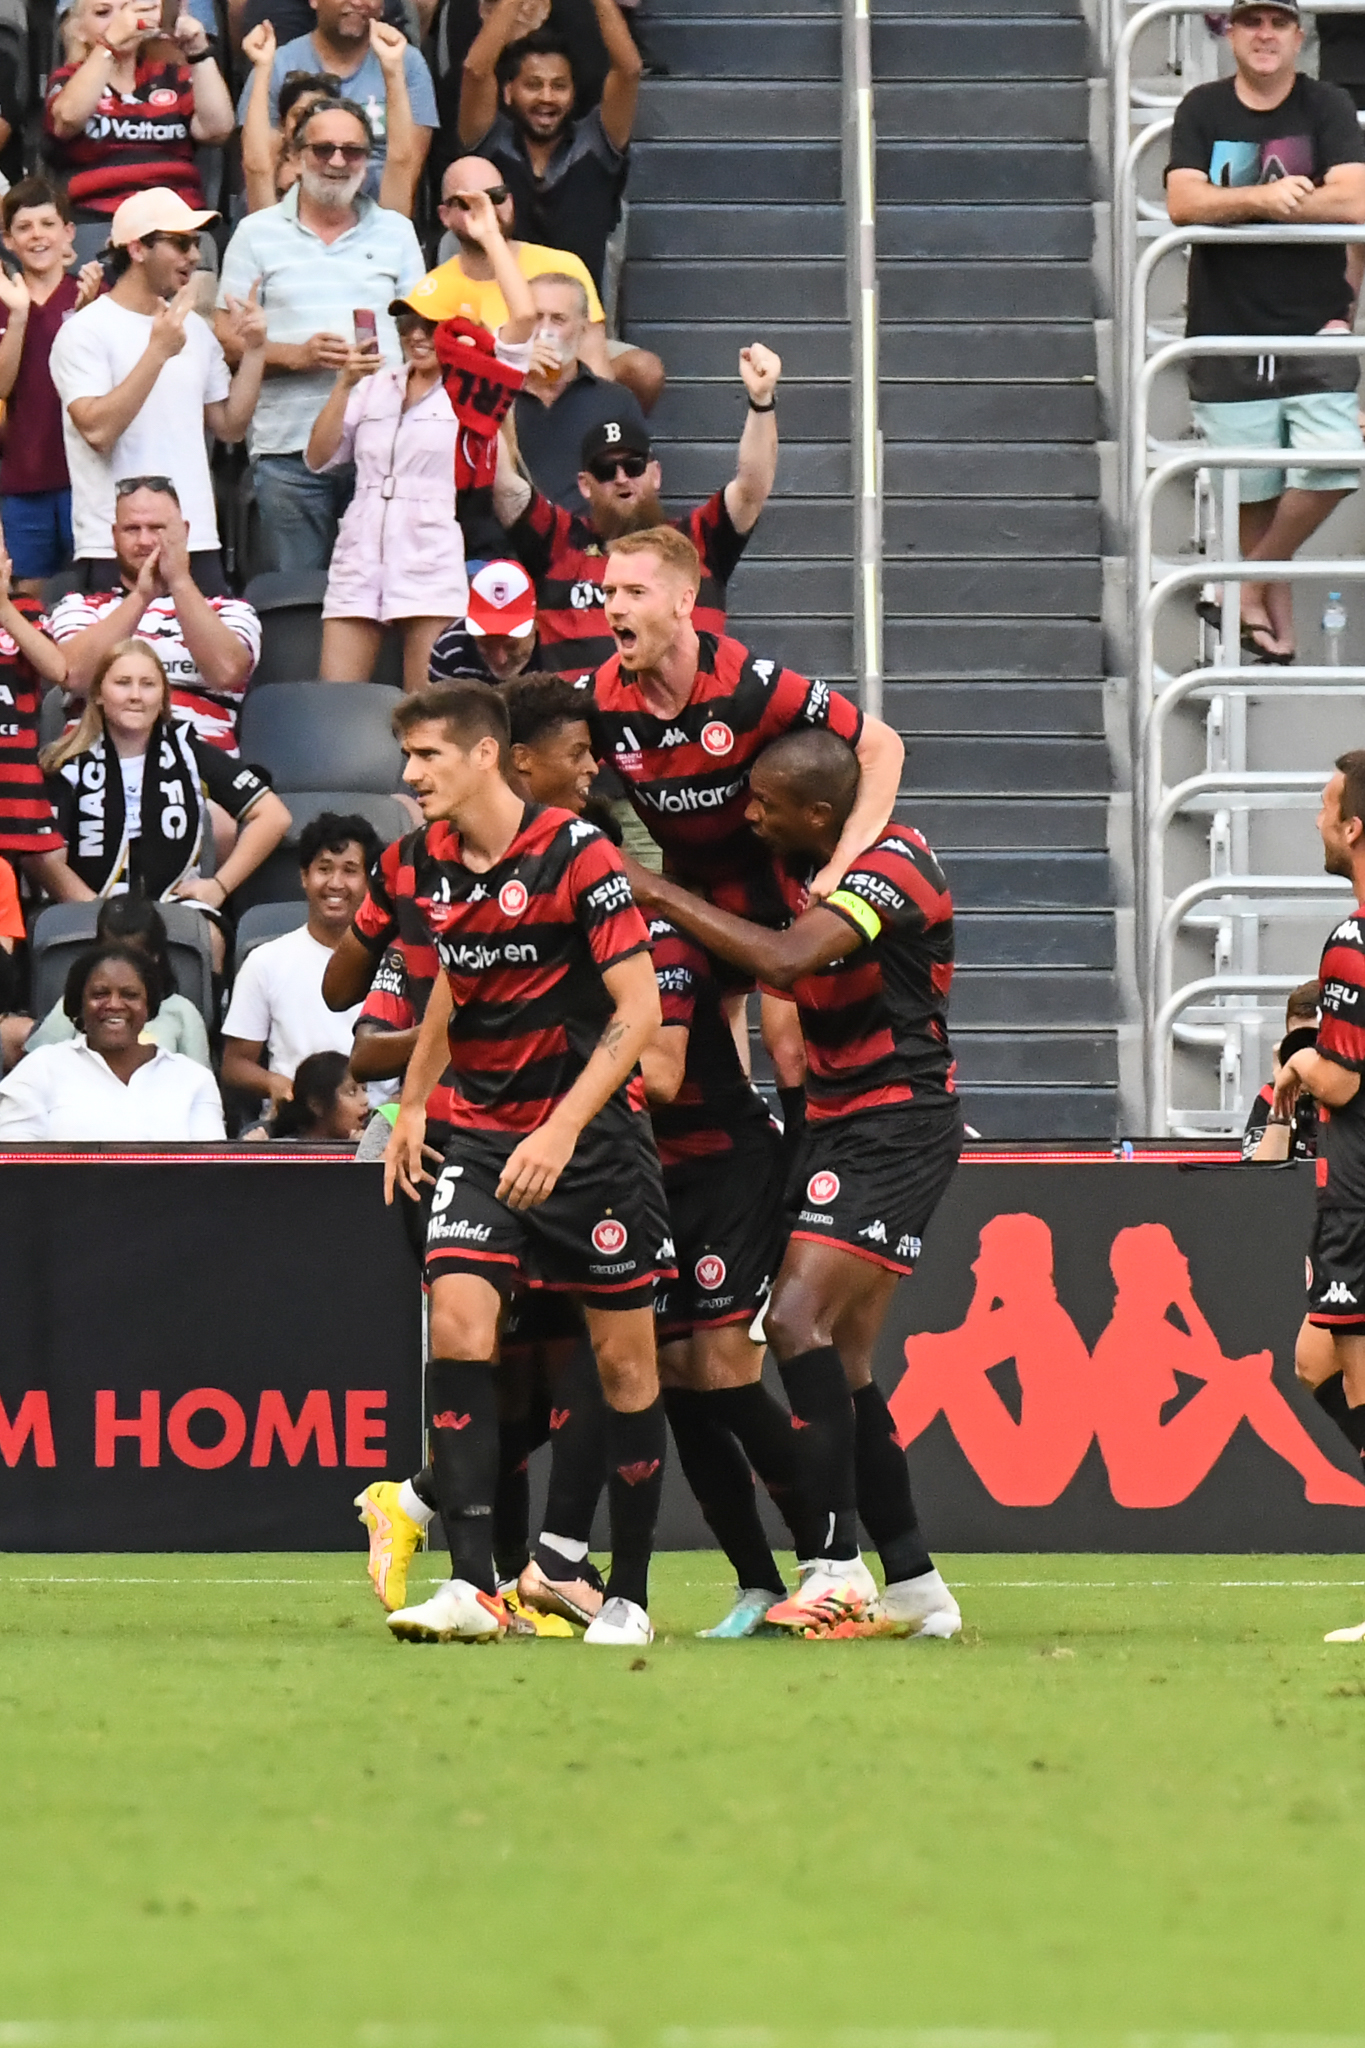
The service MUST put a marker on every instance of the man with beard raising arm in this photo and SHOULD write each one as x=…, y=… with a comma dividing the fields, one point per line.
x=620, y=479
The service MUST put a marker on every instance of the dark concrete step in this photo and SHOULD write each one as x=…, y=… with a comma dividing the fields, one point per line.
x=1030, y=881
x=672, y=229
x=719, y=171
x=813, y=647
x=965, y=469
x=1006, y=47
x=992, y=648
x=1052, y=354
x=1004, y=589
x=987, y=291
x=985, y=174
x=1040, y=111
x=711, y=109
x=989, y=412
x=1063, y=710
x=966, y=764
x=1035, y=527
x=1064, y=1115
x=1035, y=939
x=815, y=529
x=1036, y=1059
x=711, y=46
x=808, y=469
x=782, y=289
x=1022, y=996
x=685, y=12
x=694, y=350
x=1025, y=824
x=982, y=232
x=711, y=410
x=794, y=589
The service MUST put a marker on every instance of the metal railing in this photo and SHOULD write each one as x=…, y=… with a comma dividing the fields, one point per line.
x=1187, y=999
x=860, y=171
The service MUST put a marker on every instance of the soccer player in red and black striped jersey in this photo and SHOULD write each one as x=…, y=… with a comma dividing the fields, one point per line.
x=28, y=660
x=1329, y=1357
x=546, y=999
x=564, y=552
x=869, y=968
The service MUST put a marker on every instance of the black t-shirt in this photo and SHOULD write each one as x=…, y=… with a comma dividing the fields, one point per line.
x=551, y=436
x=1304, y=1143
x=578, y=201
x=1266, y=288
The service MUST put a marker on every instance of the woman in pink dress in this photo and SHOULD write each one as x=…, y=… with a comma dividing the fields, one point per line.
x=399, y=556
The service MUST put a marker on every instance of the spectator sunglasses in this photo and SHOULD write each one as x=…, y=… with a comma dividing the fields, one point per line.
x=604, y=467
x=188, y=245
x=496, y=193
x=126, y=485
x=322, y=153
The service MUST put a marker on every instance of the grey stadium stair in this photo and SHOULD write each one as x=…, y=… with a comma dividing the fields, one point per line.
x=992, y=537
x=737, y=235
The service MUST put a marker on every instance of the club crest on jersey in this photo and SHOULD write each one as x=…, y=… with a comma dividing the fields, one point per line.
x=717, y=737
x=609, y=1236
x=710, y=1271
x=513, y=898
x=822, y=1187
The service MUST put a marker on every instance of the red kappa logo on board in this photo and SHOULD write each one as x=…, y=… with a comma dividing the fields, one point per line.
x=822, y=1187
x=717, y=737
x=710, y=1270
x=512, y=898
x=609, y=1236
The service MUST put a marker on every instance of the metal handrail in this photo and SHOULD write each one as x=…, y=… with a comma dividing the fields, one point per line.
x=860, y=241
x=1159, y=1045
x=1124, y=230
x=1263, y=890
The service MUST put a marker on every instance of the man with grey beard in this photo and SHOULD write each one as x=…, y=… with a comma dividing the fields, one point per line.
x=323, y=254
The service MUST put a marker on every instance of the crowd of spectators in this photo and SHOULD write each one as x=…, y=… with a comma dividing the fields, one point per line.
x=326, y=288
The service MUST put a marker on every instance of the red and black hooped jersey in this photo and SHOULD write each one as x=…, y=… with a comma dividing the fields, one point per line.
x=27, y=822
x=876, y=1022
x=1341, y=1037
x=688, y=777
x=127, y=144
x=523, y=947
x=397, y=1002
x=565, y=558
x=715, y=1103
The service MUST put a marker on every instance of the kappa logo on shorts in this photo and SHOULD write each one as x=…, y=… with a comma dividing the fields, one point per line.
x=609, y=1236
x=448, y=1419
x=1340, y=1293
x=874, y=1232
x=513, y=898
x=822, y=1187
x=717, y=737
x=710, y=1272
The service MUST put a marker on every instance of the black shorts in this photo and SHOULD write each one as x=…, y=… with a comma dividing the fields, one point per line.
x=602, y=1233
x=533, y=1318
x=1336, y=1271
x=869, y=1183
x=729, y=1227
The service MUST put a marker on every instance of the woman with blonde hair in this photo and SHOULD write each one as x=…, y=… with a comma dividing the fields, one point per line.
x=131, y=788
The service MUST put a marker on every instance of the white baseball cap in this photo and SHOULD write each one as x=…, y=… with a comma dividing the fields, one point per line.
x=157, y=211
x=502, y=600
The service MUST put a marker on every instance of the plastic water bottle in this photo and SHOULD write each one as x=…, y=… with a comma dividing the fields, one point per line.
x=1333, y=628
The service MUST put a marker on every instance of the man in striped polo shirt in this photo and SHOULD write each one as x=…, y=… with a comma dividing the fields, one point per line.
x=565, y=552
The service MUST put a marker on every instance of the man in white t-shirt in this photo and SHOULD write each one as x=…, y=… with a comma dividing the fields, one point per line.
x=140, y=375
x=277, y=1016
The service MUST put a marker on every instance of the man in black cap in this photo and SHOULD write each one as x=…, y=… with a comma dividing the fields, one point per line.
x=1267, y=145
x=564, y=553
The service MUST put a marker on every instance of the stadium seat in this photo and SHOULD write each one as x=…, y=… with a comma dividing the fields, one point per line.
x=290, y=609
x=57, y=587
x=266, y=921
x=52, y=716
x=276, y=881
x=323, y=736
x=63, y=931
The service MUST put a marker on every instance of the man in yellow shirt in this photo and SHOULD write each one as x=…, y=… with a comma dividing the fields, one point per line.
x=465, y=288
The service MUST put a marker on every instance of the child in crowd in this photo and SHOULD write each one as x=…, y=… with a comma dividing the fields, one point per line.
x=35, y=489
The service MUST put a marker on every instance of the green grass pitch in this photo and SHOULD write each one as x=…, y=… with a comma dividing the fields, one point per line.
x=1130, y=1801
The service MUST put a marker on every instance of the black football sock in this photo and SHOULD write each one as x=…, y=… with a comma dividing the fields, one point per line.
x=825, y=1446
x=512, y=1501
x=884, y=1498
x=636, y=1448
x=792, y=1102
x=423, y=1484
x=462, y=1416
x=764, y=1428
x=718, y=1473
x=1331, y=1398
x=578, y=1453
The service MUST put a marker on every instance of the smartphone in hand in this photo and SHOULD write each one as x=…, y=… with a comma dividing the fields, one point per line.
x=366, y=328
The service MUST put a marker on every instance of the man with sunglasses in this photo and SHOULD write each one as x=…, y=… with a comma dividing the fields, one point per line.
x=140, y=376
x=323, y=254
x=564, y=552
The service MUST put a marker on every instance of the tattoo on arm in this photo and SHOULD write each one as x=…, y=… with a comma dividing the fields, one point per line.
x=613, y=1035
